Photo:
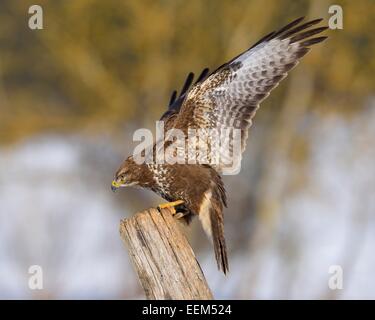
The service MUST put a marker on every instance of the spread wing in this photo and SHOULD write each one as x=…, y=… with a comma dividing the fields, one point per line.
x=175, y=102
x=229, y=97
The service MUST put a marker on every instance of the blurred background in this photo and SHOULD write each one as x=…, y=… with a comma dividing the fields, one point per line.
x=72, y=94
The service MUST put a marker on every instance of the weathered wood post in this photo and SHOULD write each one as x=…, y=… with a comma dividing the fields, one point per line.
x=162, y=257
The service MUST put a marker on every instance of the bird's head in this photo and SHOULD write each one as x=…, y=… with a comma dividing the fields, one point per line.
x=129, y=174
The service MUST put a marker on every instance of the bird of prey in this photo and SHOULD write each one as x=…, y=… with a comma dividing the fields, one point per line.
x=226, y=98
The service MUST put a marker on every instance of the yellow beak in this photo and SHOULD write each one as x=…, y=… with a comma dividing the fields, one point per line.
x=115, y=185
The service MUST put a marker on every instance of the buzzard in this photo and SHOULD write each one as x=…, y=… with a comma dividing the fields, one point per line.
x=225, y=99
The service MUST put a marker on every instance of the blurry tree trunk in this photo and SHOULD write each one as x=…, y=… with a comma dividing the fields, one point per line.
x=162, y=257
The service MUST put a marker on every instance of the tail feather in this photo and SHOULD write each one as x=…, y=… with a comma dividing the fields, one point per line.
x=211, y=217
x=217, y=226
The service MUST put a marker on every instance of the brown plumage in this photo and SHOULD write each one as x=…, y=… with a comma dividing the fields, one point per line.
x=226, y=99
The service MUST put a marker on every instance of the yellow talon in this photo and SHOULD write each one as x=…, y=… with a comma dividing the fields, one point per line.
x=170, y=204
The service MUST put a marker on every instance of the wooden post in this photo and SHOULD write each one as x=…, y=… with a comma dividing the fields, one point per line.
x=162, y=257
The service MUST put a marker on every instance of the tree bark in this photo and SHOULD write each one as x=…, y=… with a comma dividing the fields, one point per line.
x=162, y=257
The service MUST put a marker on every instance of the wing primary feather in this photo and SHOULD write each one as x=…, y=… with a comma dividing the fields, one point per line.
x=301, y=52
x=300, y=28
x=307, y=34
x=312, y=41
x=274, y=34
x=173, y=98
x=203, y=75
x=283, y=33
x=265, y=38
x=268, y=37
x=188, y=82
x=288, y=27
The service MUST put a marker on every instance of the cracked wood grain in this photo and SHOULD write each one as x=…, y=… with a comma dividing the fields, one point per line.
x=162, y=257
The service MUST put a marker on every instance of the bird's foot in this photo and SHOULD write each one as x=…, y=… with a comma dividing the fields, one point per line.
x=170, y=204
x=179, y=215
